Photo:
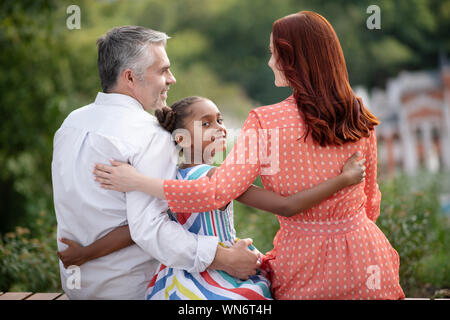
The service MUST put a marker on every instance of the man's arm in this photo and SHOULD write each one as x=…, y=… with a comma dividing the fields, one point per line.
x=234, y=176
x=150, y=225
x=238, y=260
x=166, y=240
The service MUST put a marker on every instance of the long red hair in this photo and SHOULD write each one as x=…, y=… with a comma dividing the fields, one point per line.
x=309, y=54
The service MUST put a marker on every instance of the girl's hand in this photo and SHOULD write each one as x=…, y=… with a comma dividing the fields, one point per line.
x=119, y=177
x=73, y=255
x=354, y=170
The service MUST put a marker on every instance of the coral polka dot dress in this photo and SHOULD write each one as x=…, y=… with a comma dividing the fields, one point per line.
x=331, y=251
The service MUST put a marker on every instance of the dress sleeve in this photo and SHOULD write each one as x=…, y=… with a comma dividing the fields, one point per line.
x=228, y=182
x=371, y=188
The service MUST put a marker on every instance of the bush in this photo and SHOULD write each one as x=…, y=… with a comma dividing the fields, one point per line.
x=30, y=263
x=411, y=220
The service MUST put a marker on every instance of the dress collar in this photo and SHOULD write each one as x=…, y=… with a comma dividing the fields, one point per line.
x=290, y=98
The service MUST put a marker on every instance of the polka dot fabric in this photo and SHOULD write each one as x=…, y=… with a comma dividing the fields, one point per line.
x=331, y=251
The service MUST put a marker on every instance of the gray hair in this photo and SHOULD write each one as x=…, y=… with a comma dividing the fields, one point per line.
x=125, y=48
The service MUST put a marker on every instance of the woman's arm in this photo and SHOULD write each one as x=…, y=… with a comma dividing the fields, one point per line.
x=76, y=254
x=234, y=176
x=229, y=181
x=209, y=175
x=352, y=173
x=126, y=178
x=123, y=177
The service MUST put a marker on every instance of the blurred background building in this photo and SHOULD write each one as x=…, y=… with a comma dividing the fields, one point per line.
x=414, y=111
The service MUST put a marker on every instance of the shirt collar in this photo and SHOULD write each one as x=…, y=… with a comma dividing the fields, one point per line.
x=117, y=99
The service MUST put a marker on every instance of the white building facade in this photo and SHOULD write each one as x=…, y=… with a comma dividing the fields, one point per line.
x=414, y=112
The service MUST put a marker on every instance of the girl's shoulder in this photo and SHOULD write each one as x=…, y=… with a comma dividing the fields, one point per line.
x=195, y=172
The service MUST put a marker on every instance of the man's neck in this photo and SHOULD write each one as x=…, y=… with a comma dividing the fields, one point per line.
x=126, y=92
x=122, y=91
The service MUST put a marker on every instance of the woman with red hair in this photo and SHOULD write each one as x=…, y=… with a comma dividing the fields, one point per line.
x=333, y=250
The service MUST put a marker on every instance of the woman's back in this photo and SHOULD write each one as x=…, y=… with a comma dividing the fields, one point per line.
x=303, y=164
x=333, y=250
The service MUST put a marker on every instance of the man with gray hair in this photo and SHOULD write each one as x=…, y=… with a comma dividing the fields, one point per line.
x=135, y=77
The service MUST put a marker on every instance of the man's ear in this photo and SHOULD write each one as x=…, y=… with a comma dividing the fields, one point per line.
x=128, y=77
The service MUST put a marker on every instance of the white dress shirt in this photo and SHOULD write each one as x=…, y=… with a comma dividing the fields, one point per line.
x=117, y=127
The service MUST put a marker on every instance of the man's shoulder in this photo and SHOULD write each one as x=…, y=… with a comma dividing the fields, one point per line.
x=128, y=131
x=117, y=121
x=151, y=127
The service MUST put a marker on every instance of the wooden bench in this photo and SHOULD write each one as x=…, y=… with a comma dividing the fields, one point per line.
x=62, y=296
x=32, y=296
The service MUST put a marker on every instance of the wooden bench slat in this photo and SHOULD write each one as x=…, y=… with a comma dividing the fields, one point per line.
x=426, y=299
x=44, y=296
x=15, y=295
x=63, y=297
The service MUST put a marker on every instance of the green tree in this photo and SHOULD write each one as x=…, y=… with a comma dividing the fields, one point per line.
x=34, y=87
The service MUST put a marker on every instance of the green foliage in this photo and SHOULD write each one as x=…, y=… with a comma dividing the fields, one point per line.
x=255, y=224
x=412, y=221
x=411, y=36
x=33, y=91
x=29, y=263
